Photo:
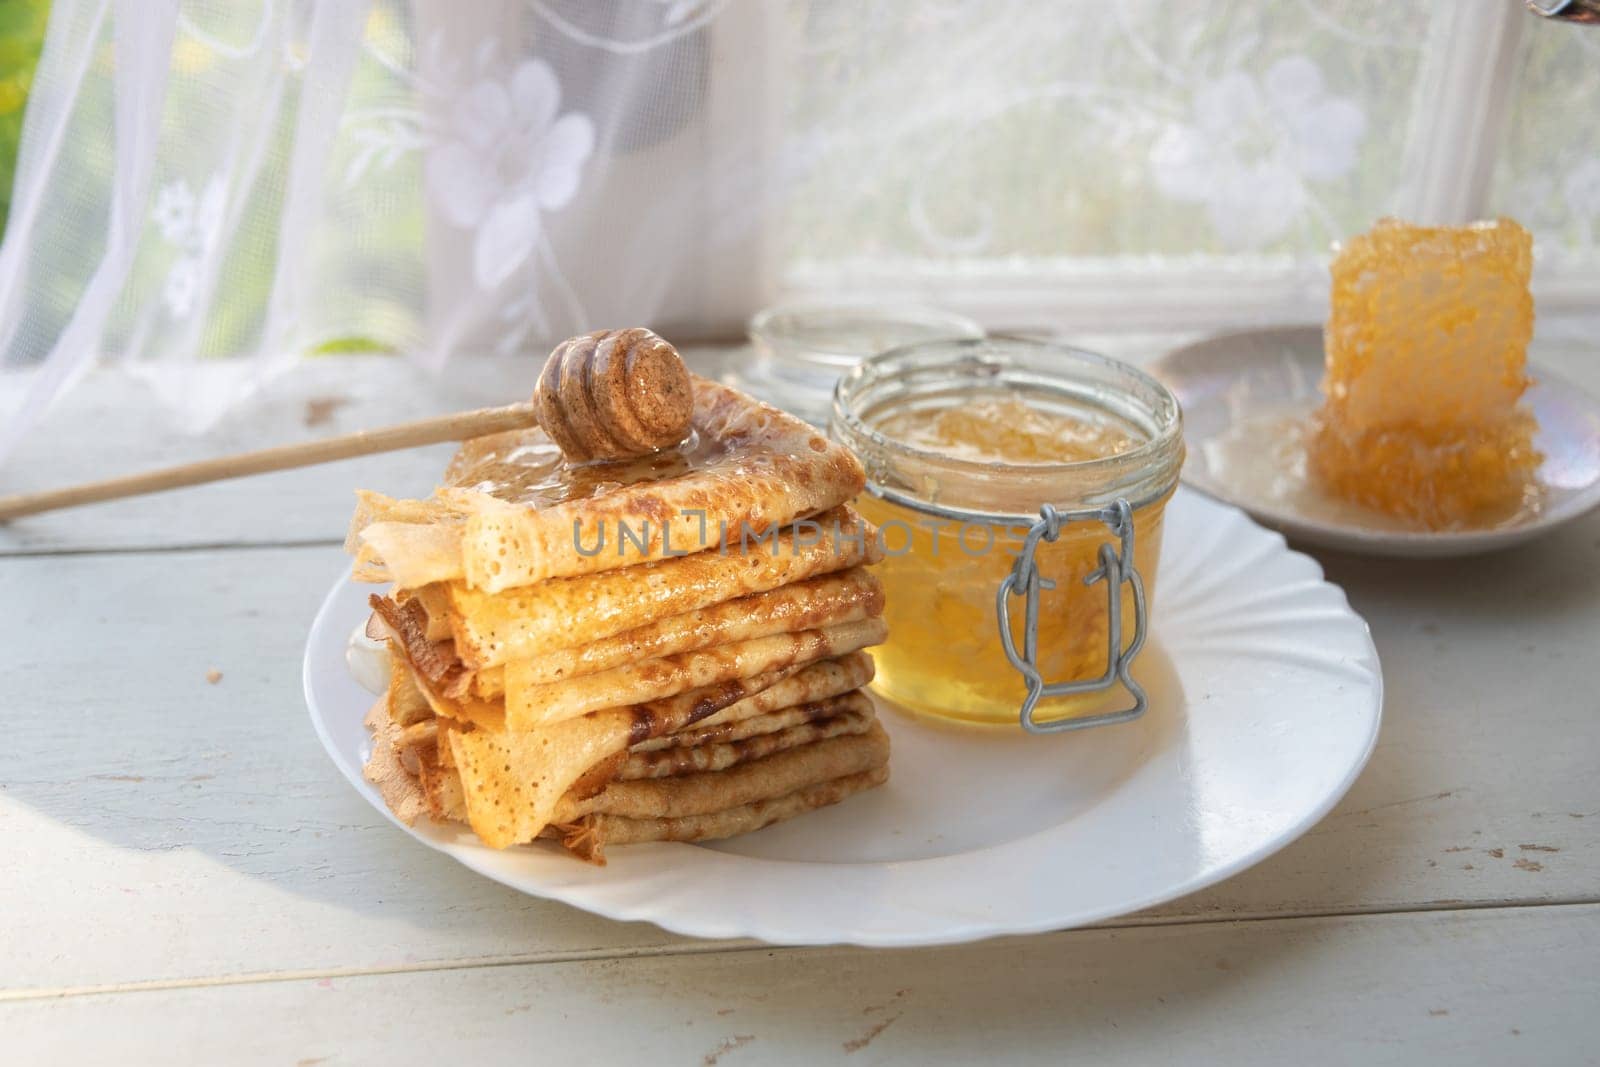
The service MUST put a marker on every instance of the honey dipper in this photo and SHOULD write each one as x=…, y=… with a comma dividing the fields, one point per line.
x=606, y=395
x=614, y=394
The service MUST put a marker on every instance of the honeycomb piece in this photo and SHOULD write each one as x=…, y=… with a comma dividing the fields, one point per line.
x=1426, y=362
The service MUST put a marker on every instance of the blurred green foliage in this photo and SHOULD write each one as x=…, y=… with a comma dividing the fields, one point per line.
x=341, y=345
x=22, y=25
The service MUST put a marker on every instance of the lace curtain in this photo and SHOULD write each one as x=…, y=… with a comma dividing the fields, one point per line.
x=209, y=190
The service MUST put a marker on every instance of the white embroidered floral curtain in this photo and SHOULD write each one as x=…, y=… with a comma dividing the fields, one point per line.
x=208, y=190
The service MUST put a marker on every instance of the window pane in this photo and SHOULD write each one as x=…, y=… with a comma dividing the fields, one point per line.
x=1549, y=172
x=1007, y=132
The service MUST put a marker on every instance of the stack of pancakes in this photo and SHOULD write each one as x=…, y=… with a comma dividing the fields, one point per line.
x=659, y=649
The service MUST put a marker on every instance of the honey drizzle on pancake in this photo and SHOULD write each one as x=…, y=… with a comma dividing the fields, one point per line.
x=526, y=467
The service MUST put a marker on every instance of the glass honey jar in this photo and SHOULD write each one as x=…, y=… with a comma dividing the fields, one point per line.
x=1019, y=489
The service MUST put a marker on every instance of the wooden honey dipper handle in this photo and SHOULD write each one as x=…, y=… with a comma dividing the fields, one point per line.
x=614, y=394
x=454, y=427
x=606, y=395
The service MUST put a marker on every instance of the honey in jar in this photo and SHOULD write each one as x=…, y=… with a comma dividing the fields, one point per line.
x=963, y=442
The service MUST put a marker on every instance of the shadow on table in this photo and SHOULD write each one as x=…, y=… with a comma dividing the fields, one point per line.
x=115, y=733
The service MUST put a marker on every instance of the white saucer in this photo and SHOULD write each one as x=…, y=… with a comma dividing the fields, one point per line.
x=1245, y=395
x=1265, y=700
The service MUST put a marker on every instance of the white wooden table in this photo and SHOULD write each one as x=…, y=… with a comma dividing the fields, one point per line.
x=185, y=877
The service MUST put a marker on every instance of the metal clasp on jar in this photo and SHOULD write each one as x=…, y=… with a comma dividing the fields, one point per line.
x=1116, y=567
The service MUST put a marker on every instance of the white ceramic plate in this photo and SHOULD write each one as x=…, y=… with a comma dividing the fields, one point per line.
x=1265, y=700
x=1244, y=396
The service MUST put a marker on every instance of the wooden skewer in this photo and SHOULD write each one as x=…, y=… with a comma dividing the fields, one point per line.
x=457, y=427
x=605, y=395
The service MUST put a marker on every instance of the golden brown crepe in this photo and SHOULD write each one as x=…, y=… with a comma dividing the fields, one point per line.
x=812, y=604
x=589, y=836
x=567, y=613
x=400, y=789
x=740, y=784
x=849, y=604
x=513, y=781
x=704, y=700
x=689, y=743
x=719, y=756
x=405, y=700
x=529, y=706
x=515, y=513
x=692, y=807
x=455, y=639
